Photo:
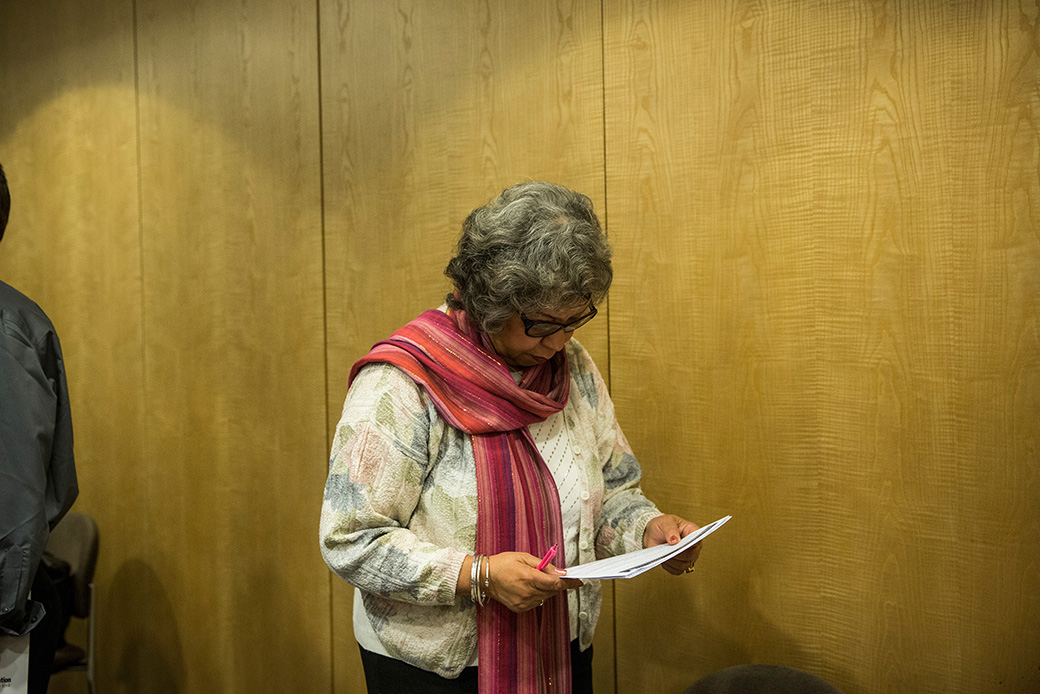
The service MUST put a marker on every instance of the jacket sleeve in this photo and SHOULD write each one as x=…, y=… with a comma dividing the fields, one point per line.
x=626, y=511
x=37, y=472
x=380, y=459
x=62, y=483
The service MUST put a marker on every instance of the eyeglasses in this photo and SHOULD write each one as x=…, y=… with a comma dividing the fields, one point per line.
x=544, y=328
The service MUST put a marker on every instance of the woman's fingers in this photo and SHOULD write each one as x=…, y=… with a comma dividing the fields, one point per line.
x=669, y=529
x=517, y=584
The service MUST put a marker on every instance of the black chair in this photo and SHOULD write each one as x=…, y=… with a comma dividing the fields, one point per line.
x=74, y=541
x=760, y=679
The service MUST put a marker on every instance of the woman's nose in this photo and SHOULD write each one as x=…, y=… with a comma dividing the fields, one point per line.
x=557, y=340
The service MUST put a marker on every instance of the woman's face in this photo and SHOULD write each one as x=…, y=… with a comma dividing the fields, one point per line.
x=520, y=350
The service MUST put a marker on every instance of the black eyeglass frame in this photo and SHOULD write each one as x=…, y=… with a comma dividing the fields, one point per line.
x=530, y=325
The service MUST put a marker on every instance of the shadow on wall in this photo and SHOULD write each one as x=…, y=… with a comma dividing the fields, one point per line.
x=147, y=651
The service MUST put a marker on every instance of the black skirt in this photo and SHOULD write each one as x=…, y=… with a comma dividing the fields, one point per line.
x=385, y=675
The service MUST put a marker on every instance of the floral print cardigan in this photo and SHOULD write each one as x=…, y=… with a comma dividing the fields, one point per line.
x=400, y=509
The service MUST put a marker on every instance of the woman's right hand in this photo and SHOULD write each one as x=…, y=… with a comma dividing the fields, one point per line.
x=517, y=583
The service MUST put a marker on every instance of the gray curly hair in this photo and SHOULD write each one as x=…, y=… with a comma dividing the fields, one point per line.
x=536, y=247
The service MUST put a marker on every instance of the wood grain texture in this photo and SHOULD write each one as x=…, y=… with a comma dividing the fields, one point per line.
x=68, y=143
x=831, y=229
x=234, y=346
x=429, y=109
x=826, y=317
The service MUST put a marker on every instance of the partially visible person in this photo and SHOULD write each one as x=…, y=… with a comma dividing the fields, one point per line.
x=37, y=469
x=472, y=440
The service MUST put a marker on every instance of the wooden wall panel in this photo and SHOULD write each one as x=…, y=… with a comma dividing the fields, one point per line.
x=929, y=283
x=824, y=321
x=68, y=143
x=708, y=314
x=825, y=324
x=234, y=346
x=429, y=109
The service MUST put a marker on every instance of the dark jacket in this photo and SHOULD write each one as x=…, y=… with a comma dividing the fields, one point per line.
x=37, y=468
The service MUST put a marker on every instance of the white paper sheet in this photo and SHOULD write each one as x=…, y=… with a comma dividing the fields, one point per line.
x=14, y=664
x=635, y=563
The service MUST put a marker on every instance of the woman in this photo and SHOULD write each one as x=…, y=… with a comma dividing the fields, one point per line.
x=474, y=439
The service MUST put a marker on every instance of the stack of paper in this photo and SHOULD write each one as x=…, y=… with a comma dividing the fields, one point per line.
x=635, y=563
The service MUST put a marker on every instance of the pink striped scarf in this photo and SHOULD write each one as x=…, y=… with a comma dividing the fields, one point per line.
x=518, y=507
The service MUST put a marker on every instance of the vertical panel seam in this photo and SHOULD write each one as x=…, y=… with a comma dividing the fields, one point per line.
x=603, y=127
x=140, y=227
x=606, y=229
x=324, y=314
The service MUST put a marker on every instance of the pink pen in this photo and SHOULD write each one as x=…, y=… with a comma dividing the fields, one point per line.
x=547, y=558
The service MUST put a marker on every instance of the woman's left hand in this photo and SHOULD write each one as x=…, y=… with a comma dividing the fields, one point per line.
x=669, y=529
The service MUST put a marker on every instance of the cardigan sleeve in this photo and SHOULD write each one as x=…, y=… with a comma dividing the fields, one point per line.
x=380, y=460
